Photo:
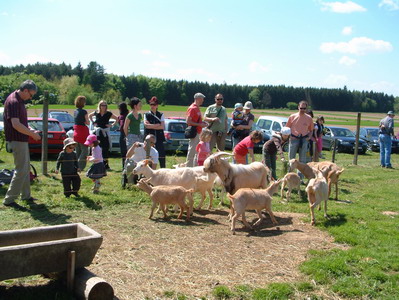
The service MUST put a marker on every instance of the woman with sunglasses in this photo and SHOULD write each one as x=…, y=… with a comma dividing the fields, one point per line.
x=154, y=123
x=100, y=119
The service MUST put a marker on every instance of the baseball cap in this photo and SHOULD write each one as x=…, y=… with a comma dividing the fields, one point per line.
x=238, y=105
x=285, y=131
x=90, y=139
x=199, y=95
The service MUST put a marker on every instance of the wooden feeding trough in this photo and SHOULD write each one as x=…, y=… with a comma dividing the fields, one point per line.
x=50, y=249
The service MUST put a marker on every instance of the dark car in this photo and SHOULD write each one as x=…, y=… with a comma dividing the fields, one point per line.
x=174, y=134
x=63, y=117
x=55, y=135
x=344, y=138
x=370, y=135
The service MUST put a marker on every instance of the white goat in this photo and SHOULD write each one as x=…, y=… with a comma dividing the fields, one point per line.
x=234, y=177
x=291, y=181
x=164, y=195
x=258, y=199
x=317, y=190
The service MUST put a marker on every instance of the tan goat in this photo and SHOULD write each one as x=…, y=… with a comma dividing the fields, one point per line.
x=165, y=195
x=291, y=181
x=331, y=173
x=257, y=199
x=317, y=191
x=306, y=170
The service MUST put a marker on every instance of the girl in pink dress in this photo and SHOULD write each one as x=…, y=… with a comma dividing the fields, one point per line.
x=203, y=149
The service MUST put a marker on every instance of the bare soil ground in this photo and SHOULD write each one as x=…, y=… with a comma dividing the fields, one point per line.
x=145, y=258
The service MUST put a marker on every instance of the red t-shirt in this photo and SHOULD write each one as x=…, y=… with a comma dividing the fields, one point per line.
x=242, y=147
x=194, y=112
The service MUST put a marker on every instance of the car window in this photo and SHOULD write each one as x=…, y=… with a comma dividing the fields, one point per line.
x=177, y=127
x=38, y=125
x=276, y=126
x=265, y=124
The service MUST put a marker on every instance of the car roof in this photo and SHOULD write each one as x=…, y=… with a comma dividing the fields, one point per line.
x=274, y=118
x=368, y=127
x=41, y=119
x=337, y=127
x=175, y=120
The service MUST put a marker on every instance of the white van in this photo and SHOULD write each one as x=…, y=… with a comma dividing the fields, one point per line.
x=271, y=124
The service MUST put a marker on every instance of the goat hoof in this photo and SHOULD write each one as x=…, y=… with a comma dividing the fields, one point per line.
x=234, y=233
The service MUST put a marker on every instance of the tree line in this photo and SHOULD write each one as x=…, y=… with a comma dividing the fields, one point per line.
x=64, y=83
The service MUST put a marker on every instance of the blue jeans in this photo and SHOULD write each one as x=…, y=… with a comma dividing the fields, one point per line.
x=385, y=149
x=294, y=147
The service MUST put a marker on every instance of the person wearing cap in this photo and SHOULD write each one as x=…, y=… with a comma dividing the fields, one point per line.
x=274, y=146
x=216, y=116
x=194, y=118
x=67, y=161
x=385, y=137
x=17, y=134
x=301, y=126
x=97, y=169
x=154, y=124
x=243, y=130
x=236, y=117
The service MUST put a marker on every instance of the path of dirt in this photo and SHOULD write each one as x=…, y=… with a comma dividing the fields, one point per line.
x=144, y=258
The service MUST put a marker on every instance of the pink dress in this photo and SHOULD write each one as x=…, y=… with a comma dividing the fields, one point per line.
x=203, y=151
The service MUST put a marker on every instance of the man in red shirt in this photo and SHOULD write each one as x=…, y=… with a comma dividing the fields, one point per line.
x=17, y=135
x=301, y=126
x=194, y=118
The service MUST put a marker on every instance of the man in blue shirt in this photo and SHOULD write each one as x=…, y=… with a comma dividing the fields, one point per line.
x=385, y=136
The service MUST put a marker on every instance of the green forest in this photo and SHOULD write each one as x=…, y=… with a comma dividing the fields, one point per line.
x=64, y=83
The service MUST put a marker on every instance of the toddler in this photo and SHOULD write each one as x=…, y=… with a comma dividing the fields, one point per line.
x=247, y=146
x=67, y=161
x=237, y=117
x=97, y=169
x=203, y=149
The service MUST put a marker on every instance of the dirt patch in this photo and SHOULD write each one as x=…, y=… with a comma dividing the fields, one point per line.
x=390, y=213
x=144, y=258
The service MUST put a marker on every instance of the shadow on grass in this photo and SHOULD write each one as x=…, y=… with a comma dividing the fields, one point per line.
x=52, y=290
x=335, y=220
x=89, y=203
x=41, y=213
x=267, y=228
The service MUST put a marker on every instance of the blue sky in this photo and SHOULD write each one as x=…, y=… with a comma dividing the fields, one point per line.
x=278, y=42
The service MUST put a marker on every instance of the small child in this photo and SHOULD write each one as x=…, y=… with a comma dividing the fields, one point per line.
x=97, y=169
x=237, y=116
x=247, y=146
x=68, y=162
x=203, y=149
x=274, y=145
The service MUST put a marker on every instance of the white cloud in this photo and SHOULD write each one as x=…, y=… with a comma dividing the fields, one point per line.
x=4, y=13
x=389, y=4
x=347, y=30
x=334, y=80
x=347, y=61
x=257, y=67
x=146, y=52
x=358, y=46
x=160, y=64
x=341, y=7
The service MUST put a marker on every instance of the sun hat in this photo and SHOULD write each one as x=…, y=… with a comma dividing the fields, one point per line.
x=238, y=105
x=391, y=112
x=285, y=131
x=199, y=95
x=68, y=142
x=153, y=100
x=90, y=139
x=248, y=105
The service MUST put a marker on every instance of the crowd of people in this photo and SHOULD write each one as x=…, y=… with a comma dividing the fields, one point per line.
x=206, y=134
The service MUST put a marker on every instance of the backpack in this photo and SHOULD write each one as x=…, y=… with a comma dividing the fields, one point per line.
x=6, y=175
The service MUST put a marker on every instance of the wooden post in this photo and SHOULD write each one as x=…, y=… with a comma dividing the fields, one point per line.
x=44, y=134
x=357, y=139
x=333, y=150
x=90, y=287
x=71, y=270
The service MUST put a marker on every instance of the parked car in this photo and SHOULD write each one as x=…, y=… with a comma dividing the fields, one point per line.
x=114, y=133
x=271, y=124
x=370, y=135
x=63, y=117
x=258, y=146
x=174, y=134
x=55, y=136
x=345, y=140
x=1, y=118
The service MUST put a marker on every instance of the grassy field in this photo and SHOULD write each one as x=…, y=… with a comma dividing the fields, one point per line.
x=363, y=224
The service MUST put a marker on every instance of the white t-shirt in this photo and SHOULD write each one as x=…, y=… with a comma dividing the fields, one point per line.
x=140, y=154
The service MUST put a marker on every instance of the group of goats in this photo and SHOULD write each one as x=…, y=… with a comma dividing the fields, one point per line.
x=249, y=187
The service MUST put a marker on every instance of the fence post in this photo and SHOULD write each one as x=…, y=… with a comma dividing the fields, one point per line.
x=357, y=139
x=334, y=148
x=44, y=134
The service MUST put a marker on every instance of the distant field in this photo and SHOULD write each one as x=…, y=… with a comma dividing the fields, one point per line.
x=336, y=118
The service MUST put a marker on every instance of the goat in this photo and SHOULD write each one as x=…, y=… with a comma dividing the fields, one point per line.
x=184, y=177
x=306, y=170
x=164, y=195
x=258, y=199
x=317, y=191
x=331, y=173
x=291, y=181
x=234, y=177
